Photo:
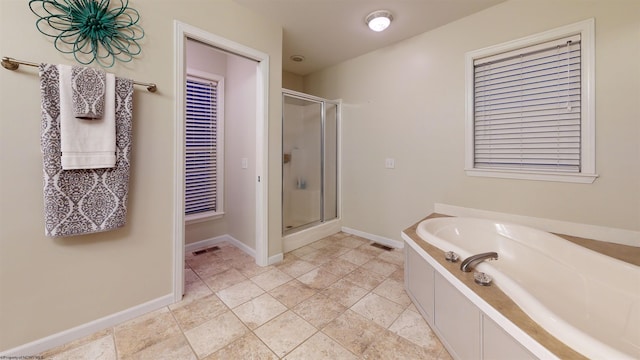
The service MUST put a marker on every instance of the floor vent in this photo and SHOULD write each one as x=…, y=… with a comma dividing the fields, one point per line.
x=383, y=247
x=202, y=251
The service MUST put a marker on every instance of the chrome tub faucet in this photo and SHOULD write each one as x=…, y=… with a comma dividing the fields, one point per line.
x=469, y=263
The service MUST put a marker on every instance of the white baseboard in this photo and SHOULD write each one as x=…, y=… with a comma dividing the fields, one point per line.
x=601, y=233
x=307, y=236
x=277, y=258
x=78, y=332
x=207, y=243
x=375, y=238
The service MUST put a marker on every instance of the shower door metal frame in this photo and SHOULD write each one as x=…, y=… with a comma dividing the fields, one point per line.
x=322, y=102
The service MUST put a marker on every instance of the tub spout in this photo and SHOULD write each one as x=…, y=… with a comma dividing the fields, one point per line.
x=470, y=262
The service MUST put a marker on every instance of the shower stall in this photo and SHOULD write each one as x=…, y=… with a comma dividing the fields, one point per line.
x=309, y=161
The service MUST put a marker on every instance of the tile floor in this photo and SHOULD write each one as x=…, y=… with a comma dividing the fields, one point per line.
x=337, y=298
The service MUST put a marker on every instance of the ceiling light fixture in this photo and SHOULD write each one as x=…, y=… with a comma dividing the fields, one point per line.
x=379, y=20
x=297, y=58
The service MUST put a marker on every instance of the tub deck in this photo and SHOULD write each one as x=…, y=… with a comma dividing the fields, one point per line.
x=503, y=303
x=497, y=299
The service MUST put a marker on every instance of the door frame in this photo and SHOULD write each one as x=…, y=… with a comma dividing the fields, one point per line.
x=182, y=32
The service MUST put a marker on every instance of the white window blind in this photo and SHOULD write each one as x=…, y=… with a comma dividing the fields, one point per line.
x=201, y=146
x=527, y=108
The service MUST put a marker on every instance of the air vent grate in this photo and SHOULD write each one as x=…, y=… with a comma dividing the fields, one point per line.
x=383, y=247
x=202, y=251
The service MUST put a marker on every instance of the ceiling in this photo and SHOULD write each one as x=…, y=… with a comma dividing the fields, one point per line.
x=327, y=32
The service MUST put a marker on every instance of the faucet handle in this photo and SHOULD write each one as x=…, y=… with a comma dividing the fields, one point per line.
x=450, y=256
x=482, y=278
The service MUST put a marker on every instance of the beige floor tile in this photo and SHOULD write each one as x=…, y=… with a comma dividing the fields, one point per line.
x=353, y=331
x=380, y=267
x=398, y=275
x=234, y=255
x=101, y=348
x=145, y=331
x=320, y=347
x=351, y=242
x=224, y=279
x=207, y=265
x=365, y=279
x=175, y=347
x=198, y=311
x=357, y=256
x=345, y=292
x=250, y=269
x=294, y=266
x=319, y=310
x=394, y=291
x=411, y=326
x=258, y=311
x=378, y=309
x=369, y=248
x=271, y=279
x=391, y=346
x=246, y=347
x=292, y=293
x=285, y=332
x=76, y=343
x=339, y=267
x=299, y=252
x=317, y=282
x=318, y=257
x=319, y=244
x=318, y=279
x=395, y=256
x=239, y=293
x=335, y=250
x=202, y=259
x=215, y=334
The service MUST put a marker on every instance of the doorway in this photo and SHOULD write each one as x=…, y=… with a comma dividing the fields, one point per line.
x=185, y=33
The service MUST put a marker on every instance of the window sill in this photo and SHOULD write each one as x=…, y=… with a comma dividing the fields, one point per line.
x=533, y=175
x=197, y=218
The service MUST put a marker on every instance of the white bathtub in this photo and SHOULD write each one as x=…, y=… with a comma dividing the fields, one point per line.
x=589, y=301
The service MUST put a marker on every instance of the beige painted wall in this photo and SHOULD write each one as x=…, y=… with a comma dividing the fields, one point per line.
x=50, y=285
x=240, y=129
x=406, y=101
x=292, y=81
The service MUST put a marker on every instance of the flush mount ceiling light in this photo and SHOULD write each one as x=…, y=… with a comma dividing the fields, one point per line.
x=297, y=58
x=379, y=20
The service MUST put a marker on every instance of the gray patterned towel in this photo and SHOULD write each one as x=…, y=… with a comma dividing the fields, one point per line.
x=85, y=200
x=88, y=87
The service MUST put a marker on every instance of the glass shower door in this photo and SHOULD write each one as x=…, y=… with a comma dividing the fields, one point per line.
x=302, y=163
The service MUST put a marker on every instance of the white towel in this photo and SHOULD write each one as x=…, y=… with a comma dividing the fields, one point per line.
x=86, y=144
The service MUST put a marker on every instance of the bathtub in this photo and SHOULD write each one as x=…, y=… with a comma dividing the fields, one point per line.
x=588, y=301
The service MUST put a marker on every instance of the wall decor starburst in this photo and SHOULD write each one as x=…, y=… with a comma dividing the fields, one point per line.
x=91, y=30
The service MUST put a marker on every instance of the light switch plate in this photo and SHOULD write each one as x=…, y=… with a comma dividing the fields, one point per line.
x=390, y=163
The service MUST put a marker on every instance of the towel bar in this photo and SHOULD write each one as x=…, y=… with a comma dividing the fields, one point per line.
x=12, y=64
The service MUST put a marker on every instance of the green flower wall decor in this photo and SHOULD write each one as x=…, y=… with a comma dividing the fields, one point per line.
x=91, y=30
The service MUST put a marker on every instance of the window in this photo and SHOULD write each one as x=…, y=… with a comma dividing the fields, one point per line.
x=530, y=112
x=203, y=148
